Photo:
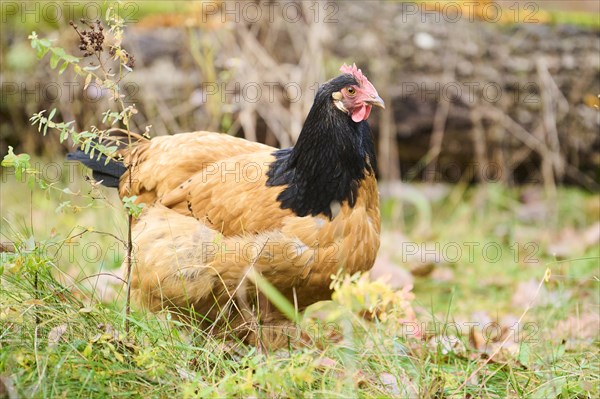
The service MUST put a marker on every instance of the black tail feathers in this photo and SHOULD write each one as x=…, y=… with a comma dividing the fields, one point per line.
x=106, y=173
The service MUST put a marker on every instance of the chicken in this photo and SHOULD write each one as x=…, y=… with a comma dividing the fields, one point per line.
x=218, y=208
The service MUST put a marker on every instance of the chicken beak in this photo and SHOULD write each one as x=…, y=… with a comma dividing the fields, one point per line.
x=376, y=101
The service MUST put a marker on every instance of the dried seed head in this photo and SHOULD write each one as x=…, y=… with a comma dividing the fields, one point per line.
x=130, y=61
x=91, y=40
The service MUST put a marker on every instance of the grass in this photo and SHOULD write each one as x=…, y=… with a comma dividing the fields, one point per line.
x=59, y=339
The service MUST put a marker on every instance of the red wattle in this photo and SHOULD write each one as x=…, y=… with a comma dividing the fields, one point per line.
x=361, y=113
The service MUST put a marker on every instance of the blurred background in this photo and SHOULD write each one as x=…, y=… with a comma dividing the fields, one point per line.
x=500, y=91
x=488, y=150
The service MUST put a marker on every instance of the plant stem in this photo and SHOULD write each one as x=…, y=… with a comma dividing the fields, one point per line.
x=128, y=259
x=36, y=296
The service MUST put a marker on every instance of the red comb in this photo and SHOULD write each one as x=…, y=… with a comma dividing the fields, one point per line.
x=353, y=70
x=357, y=73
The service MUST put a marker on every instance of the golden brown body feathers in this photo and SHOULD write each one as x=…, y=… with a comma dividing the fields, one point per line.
x=210, y=217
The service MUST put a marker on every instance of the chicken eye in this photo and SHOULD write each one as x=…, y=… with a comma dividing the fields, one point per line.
x=351, y=91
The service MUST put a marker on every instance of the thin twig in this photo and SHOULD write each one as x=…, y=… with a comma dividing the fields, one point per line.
x=128, y=260
x=439, y=121
x=101, y=274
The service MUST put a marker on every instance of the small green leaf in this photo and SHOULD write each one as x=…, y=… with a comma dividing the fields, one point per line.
x=59, y=51
x=63, y=67
x=8, y=160
x=524, y=354
x=45, y=43
x=69, y=58
x=31, y=181
x=29, y=244
x=54, y=58
x=88, y=80
x=19, y=162
x=132, y=208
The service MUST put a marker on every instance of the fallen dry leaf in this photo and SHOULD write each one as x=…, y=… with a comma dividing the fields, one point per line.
x=55, y=335
x=390, y=382
x=578, y=328
x=361, y=379
x=7, y=388
x=421, y=269
x=325, y=363
x=571, y=242
x=447, y=344
x=527, y=294
x=476, y=340
x=184, y=374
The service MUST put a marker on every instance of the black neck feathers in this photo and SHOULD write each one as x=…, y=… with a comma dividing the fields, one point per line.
x=327, y=164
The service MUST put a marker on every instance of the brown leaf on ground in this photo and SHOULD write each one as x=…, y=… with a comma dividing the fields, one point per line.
x=7, y=388
x=447, y=344
x=421, y=269
x=7, y=247
x=325, y=363
x=476, y=340
x=390, y=383
x=55, y=335
x=526, y=294
x=184, y=374
x=433, y=387
x=571, y=242
x=578, y=328
x=361, y=379
x=488, y=336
